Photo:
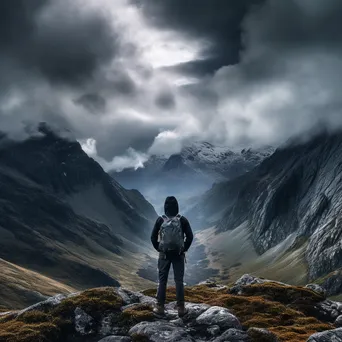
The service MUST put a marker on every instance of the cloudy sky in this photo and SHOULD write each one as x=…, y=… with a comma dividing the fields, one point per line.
x=130, y=78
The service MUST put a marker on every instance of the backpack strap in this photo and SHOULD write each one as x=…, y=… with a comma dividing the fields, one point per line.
x=165, y=218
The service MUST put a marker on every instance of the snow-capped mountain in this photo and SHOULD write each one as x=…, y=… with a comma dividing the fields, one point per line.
x=191, y=172
x=220, y=161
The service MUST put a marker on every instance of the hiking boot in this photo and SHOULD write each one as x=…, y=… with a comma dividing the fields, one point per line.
x=159, y=310
x=181, y=310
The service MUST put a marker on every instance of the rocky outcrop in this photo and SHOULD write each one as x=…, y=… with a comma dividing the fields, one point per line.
x=327, y=336
x=263, y=312
x=332, y=283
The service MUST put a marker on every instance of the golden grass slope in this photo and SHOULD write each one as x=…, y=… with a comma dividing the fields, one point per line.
x=19, y=286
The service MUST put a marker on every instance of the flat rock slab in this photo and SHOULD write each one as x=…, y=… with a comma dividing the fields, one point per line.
x=327, y=336
x=217, y=315
x=161, y=332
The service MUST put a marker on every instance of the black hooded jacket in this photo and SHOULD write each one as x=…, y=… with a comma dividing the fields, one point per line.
x=171, y=209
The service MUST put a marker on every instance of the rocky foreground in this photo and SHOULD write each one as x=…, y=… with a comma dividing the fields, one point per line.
x=253, y=309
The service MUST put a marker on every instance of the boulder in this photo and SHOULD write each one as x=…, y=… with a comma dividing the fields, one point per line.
x=161, y=331
x=195, y=310
x=128, y=297
x=338, y=322
x=317, y=288
x=328, y=310
x=217, y=315
x=212, y=285
x=327, y=336
x=108, y=326
x=214, y=330
x=83, y=322
x=247, y=280
x=233, y=335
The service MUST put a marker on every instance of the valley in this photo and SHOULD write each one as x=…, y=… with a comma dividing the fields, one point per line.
x=282, y=218
x=66, y=225
x=190, y=173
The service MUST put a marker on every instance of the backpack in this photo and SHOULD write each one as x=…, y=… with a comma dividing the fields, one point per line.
x=171, y=235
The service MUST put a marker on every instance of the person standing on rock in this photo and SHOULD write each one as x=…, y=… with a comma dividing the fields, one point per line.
x=175, y=238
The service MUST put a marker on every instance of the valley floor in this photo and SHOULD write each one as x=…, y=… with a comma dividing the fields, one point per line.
x=233, y=254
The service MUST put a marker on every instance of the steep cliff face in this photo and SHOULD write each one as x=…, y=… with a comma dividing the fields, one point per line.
x=295, y=194
x=63, y=216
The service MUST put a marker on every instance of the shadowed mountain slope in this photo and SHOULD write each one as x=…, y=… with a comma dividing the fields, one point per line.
x=63, y=216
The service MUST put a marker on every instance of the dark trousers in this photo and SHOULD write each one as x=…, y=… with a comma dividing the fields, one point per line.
x=164, y=264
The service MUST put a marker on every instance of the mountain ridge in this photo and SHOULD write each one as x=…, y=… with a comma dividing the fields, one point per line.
x=189, y=173
x=61, y=215
x=294, y=192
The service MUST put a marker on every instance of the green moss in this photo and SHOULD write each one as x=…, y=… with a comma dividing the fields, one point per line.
x=17, y=331
x=94, y=302
x=136, y=314
x=283, y=293
x=257, y=336
x=55, y=324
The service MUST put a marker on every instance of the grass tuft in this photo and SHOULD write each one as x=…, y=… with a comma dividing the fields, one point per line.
x=136, y=314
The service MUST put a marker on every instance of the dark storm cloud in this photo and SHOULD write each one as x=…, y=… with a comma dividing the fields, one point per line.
x=93, y=102
x=123, y=84
x=217, y=22
x=123, y=134
x=165, y=100
x=55, y=39
x=253, y=71
x=296, y=24
x=280, y=33
x=199, y=67
x=17, y=21
x=289, y=77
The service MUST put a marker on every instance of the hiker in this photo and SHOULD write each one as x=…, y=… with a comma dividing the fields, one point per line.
x=175, y=238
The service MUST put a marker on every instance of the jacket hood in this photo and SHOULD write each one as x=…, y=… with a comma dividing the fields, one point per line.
x=171, y=206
